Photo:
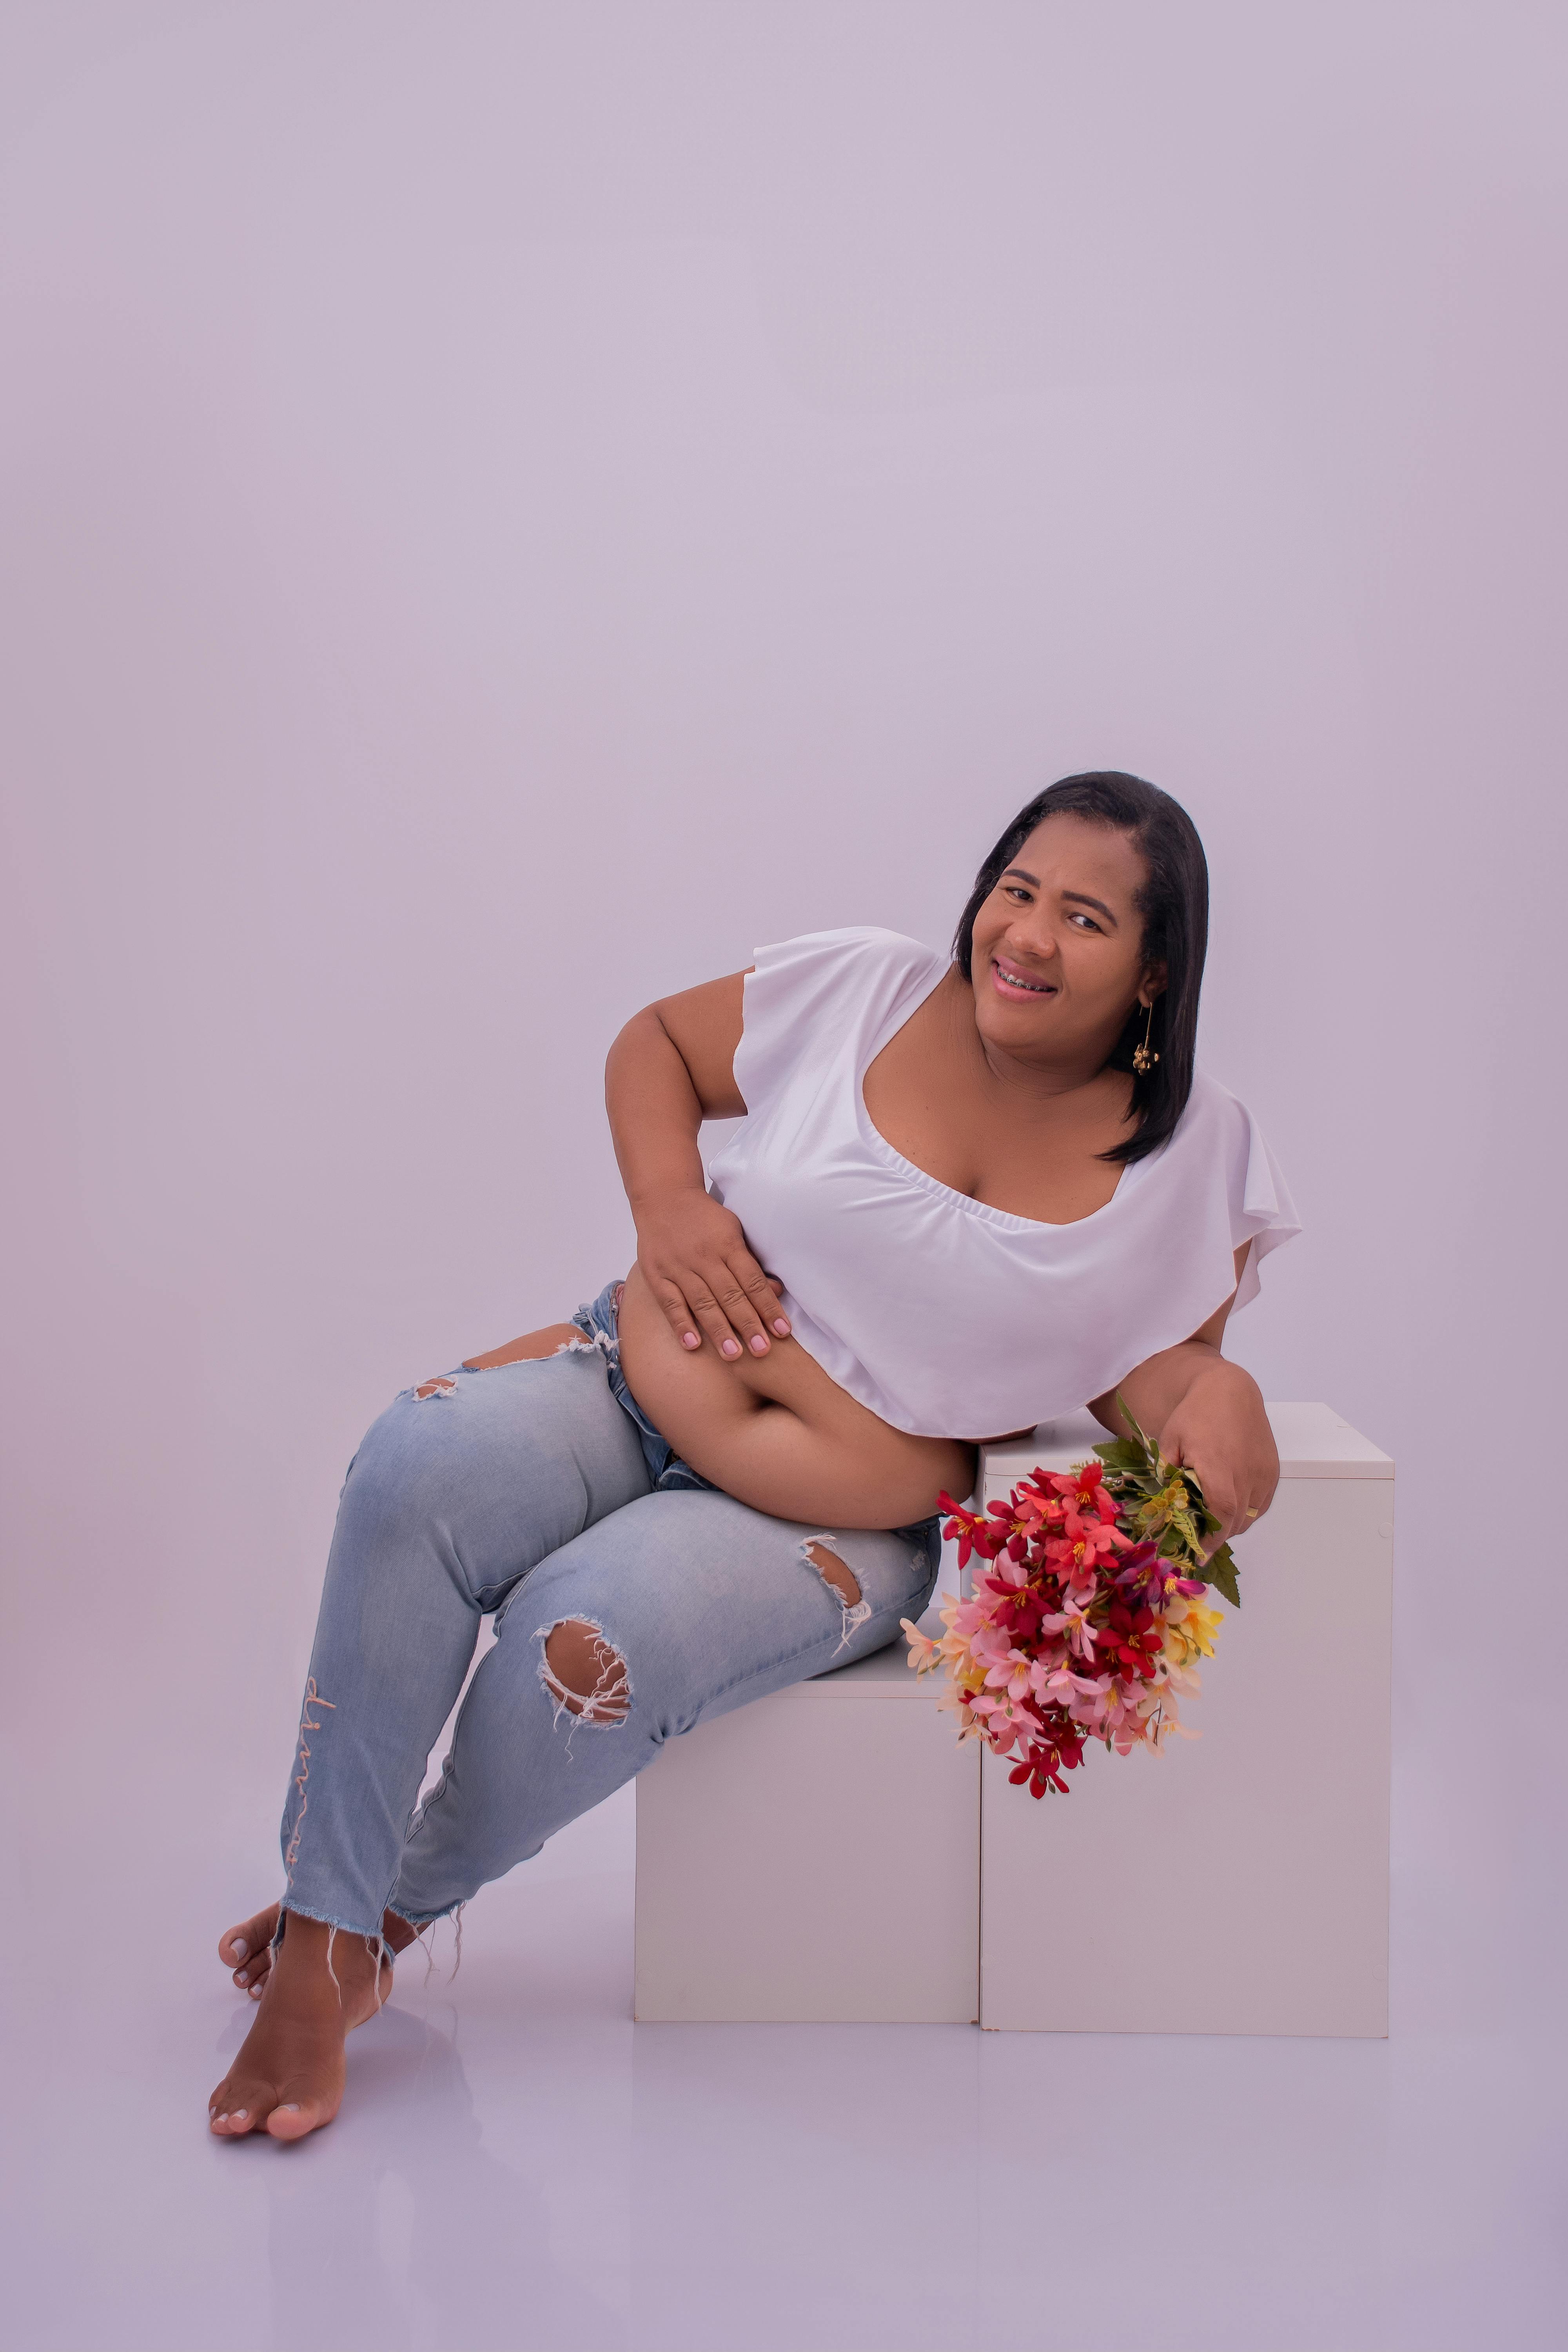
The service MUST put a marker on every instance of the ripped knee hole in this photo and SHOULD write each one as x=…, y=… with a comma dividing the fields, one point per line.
x=835, y=1572
x=585, y=1674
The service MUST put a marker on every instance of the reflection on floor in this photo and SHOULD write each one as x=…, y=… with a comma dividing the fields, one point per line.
x=517, y=2166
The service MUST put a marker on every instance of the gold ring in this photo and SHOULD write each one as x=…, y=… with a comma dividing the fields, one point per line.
x=1252, y=1514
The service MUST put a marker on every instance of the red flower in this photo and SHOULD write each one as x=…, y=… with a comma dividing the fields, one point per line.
x=1057, y=1750
x=1083, y=1494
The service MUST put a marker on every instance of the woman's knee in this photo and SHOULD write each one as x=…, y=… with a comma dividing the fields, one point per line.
x=414, y=1460
x=890, y=1567
x=584, y=1673
x=447, y=1438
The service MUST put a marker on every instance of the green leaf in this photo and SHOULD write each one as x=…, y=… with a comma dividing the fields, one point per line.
x=1139, y=1478
x=1151, y=1451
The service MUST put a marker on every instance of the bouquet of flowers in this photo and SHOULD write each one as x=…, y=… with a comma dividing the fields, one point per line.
x=1090, y=1622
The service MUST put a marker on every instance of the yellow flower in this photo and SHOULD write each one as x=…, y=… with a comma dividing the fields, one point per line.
x=1190, y=1628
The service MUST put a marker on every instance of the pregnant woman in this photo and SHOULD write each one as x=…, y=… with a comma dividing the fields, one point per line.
x=967, y=1194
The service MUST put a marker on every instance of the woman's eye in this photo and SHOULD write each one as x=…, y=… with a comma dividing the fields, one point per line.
x=1087, y=920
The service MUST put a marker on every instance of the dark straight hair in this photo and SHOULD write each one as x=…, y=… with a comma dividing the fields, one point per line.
x=1174, y=904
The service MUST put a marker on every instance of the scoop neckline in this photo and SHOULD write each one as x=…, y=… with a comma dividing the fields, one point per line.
x=872, y=1134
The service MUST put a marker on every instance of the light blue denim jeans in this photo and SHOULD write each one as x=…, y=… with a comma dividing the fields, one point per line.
x=538, y=1491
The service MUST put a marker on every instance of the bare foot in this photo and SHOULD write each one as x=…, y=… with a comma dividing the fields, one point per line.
x=248, y=1949
x=288, y=2077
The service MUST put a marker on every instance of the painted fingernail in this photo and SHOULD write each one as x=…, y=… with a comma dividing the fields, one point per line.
x=238, y=1949
x=291, y=2107
x=758, y=1345
x=256, y=1992
x=689, y=1339
x=242, y=1979
x=782, y=1327
x=731, y=1348
x=239, y=2114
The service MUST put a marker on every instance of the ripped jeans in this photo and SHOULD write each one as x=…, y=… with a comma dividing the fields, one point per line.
x=530, y=1490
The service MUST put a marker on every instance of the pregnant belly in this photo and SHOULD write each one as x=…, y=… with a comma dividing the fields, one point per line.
x=776, y=1432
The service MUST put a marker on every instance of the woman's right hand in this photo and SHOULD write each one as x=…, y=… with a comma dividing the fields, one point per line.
x=695, y=1259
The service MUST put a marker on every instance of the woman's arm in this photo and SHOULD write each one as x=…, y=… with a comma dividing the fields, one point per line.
x=1208, y=1414
x=672, y=1067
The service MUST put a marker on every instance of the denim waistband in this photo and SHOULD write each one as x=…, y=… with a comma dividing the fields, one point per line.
x=600, y=1322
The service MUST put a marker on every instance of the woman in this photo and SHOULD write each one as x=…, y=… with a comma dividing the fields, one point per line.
x=966, y=1197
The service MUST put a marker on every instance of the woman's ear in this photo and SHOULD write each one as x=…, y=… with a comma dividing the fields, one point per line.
x=1152, y=983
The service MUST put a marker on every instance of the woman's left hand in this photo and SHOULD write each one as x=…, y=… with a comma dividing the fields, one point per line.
x=1220, y=1431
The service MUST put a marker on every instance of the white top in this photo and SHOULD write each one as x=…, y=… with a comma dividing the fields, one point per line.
x=945, y=1317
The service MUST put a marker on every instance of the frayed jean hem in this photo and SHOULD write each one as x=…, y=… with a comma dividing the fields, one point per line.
x=324, y=1920
x=420, y=1920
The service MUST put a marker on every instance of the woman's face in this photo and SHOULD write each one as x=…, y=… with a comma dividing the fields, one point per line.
x=1057, y=961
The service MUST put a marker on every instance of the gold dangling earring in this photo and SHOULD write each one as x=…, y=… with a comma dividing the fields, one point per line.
x=1144, y=1060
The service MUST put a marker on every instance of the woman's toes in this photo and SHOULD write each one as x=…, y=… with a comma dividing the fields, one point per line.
x=233, y=2122
x=251, y=1939
x=256, y=1972
x=295, y=2117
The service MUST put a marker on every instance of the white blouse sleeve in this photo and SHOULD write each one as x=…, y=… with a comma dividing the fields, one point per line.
x=803, y=998
x=1261, y=1209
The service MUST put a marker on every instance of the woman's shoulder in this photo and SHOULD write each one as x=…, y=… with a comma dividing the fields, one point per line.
x=1214, y=1123
x=858, y=973
x=1211, y=1104
x=860, y=948
x=1213, y=1109
x=810, y=1000
x=1218, y=1132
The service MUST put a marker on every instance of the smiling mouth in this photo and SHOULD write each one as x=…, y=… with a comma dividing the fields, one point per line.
x=1017, y=984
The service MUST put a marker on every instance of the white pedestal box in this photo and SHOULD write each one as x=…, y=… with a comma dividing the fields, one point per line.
x=1238, y=1883
x=813, y=1856
x=830, y=1853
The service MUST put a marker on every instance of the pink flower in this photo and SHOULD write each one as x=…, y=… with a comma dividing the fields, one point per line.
x=923, y=1653
x=1011, y=1674
x=1059, y=1686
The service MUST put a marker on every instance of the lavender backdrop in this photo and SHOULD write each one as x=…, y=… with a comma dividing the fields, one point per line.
x=507, y=506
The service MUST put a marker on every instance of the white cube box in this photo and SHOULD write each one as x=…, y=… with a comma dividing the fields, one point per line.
x=813, y=1856
x=1237, y=1883
x=830, y=1853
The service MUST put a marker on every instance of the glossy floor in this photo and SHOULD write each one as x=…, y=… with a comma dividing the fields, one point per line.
x=518, y=2165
